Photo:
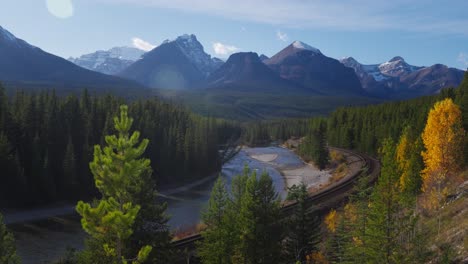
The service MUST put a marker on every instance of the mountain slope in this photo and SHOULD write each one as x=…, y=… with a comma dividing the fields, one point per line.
x=244, y=71
x=308, y=67
x=195, y=52
x=396, y=79
x=110, y=61
x=178, y=64
x=23, y=65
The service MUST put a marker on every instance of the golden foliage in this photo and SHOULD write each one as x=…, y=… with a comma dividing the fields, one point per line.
x=403, y=160
x=350, y=212
x=443, y=138
x=357, y=241
x=331, y=220
x=316, y=258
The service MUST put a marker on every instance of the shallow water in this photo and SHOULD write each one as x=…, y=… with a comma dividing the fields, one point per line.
x=185, y=207
x=42, y=243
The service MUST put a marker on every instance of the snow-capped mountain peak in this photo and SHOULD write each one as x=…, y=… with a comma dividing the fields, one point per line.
x=10, y=39
x=109, y=61
x=303, y=46
x=396, y=67
x=350, y=62
x=396, y=58
x=126, y=53
x=182, y=38
x=193, y=50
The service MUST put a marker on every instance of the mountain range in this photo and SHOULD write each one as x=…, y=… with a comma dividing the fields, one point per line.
x=26, y=66
x=299, y=71
x=396, y=79
x=110, y=61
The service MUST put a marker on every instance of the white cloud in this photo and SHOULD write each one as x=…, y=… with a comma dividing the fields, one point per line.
x=224, y=50
x=282, y=36
x=356, y=15
x=141, y=44
x=463, y=58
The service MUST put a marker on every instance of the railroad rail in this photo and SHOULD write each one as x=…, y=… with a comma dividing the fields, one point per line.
x=371, y=167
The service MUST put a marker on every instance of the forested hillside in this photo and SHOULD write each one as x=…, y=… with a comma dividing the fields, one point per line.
x=46, y=143
x=361, y=128
x=413, y=212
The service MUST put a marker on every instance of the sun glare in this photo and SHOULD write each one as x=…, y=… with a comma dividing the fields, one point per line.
x=60, y=8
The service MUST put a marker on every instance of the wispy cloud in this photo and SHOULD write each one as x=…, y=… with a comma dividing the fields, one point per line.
x=224, y=50
x=282, y=36
x=330, y=14
x=463, y=58
x=142, y=44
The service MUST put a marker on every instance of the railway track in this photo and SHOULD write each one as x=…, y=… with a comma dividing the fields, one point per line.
x=370, y=167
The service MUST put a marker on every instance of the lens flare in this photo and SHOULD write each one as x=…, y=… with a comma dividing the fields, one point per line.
x=60, y=8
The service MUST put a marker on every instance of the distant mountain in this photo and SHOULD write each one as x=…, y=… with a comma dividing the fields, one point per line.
x=178, y=64
x=396, y=79
x=23, y=65
x=194, y=51
x=110, y=61
x=244, y=71
x=307, y=66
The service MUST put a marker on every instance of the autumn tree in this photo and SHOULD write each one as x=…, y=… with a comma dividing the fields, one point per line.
x=337, y=237
x=410, y=164
x=443, y=139
x=116, y=168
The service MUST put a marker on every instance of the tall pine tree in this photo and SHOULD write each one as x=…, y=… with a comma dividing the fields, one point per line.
x=115, y=169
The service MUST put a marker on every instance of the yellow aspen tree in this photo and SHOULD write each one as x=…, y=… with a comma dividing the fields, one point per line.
x=331, y=220
x=403, y=160
x=410, y=163
x=443, y=138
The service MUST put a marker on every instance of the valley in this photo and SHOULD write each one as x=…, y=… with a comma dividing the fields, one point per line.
x=246, y=132
x=44, y=235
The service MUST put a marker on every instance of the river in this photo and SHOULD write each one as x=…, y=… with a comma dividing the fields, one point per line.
x=43, y=241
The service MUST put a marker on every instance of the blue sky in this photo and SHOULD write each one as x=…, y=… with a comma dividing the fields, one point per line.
x=424, y=32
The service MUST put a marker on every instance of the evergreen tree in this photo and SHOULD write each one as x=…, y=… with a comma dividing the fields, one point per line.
x=462, y=100
x=7, y=245
x=303, y=232
x=50, y=138
x=338, y=238
x=385, y=214
x=69, y=168
x=260, y=232
x=216, y=247
x=314, y=146
x=115, y=168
